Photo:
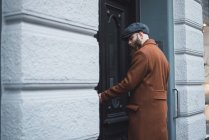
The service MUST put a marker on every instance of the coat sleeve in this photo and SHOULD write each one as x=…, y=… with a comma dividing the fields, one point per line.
x=135, y=74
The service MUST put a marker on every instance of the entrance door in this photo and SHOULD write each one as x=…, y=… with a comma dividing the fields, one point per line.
x=115, y=15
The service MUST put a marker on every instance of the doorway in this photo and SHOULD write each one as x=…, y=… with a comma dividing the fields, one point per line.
x=115, y=15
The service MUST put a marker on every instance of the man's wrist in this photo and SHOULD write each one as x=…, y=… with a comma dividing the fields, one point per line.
x=100, y=97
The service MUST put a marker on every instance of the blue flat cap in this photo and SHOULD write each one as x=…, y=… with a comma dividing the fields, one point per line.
x=133, y=28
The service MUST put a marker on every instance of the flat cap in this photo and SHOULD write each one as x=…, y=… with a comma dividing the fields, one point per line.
x=133, y=28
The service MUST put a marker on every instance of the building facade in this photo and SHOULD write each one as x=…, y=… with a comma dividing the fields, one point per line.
x=50, y=68
x=189, y=69
x=206, y=59
x=54, y=61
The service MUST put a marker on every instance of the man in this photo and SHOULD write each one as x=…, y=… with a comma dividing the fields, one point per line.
x=147, y=79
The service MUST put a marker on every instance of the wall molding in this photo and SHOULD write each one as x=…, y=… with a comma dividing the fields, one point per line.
x=199, y=1
x=35, y=18
x=38, y=86
x=91, y=137
x=189, y=82
x=182, y=115
x=189, y=52
x=189, y=23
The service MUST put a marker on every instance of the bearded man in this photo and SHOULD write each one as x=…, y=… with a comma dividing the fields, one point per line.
x=147, y=78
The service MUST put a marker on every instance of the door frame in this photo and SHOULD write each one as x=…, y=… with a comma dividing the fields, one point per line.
x=172, y=98
x=168, y=41
x=0, y=58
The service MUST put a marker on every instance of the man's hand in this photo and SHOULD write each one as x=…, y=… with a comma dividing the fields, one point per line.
x=100, y=97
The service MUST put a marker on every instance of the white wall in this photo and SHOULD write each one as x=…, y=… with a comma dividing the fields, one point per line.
x=189, y=69
x=50, y=67
x=206, y=64
x=206, y=53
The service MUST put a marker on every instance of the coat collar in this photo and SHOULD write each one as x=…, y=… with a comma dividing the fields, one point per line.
x=149, y=41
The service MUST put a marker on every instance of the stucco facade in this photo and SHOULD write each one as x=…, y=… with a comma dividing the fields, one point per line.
x=50, y=66
x=206, y=85
x=206, y=54
x=189, y=69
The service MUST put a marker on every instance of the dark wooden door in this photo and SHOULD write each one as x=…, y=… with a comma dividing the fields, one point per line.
x=115, y=15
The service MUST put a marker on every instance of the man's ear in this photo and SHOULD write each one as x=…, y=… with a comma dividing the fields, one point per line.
x=141, y=34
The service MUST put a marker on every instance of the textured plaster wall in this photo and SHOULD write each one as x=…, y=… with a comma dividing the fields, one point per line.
x=49, y=55
x=206, y=65
x=206, y=53
x=51, y=114
x=50, y=66
x=80, y=12
x=189, y=69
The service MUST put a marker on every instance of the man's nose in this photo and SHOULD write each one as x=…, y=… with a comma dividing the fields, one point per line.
x=129, y=42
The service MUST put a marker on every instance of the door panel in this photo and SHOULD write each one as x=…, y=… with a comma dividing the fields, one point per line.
x=115, y=15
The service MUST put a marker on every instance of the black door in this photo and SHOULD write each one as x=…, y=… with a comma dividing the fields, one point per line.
x=115, y=15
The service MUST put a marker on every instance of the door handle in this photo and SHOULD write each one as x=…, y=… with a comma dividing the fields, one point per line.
x=177, y=113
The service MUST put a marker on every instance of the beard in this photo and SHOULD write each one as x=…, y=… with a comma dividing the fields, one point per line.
x=136, y=44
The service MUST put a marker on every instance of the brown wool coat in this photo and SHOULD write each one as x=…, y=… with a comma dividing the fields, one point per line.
x=147, y=78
